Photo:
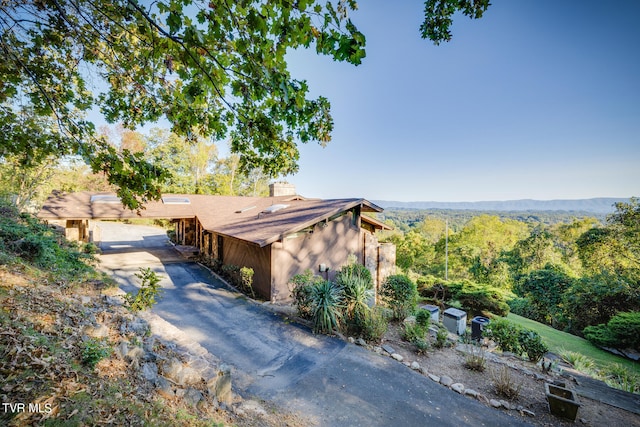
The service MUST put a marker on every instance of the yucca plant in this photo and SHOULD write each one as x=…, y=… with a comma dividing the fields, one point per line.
x=326, y=303
x=357, y=287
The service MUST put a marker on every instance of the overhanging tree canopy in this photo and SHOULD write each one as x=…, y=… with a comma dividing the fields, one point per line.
x=215, y=68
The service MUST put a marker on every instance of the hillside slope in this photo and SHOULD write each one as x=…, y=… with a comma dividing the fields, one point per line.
x=600, y=205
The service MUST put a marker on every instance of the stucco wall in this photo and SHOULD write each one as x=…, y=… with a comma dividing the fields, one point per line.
x=329, y=244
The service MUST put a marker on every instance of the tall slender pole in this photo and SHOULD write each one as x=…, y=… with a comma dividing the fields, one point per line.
x=446, y=249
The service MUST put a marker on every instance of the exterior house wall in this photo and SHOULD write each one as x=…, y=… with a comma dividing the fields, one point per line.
x=77, y=230
x=386, y=261
x=186, y=232
x=243, y=254
x=370, y=249
x=329, y=244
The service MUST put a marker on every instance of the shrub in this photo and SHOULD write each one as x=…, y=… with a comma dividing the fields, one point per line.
x=415, y=334
x=475, y=360
x=505, y=334
x=617, y=376
x=301, y=286
x=441, y=337
x=622, y=331
x=579, y=361
x=354, y=272
x=523, y=307
x=357, y=287
x=375, y=325
x=473, y=297
x=481, y=301
x=326, y=305
x=94, y=351
x=149, y=289
x=246, y=280
x=241, y=278
x=400, y=294
x=423, y=318
x=531, y=343
x=505, y=384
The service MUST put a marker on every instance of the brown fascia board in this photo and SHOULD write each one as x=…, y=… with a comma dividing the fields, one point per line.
x=376, y=222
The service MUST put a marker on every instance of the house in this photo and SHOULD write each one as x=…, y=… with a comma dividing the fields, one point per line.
x=277, y=236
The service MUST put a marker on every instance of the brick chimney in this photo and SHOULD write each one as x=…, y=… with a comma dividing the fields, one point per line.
x=281, y=189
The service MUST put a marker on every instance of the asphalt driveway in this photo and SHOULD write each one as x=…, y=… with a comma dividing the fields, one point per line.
x=332, y=382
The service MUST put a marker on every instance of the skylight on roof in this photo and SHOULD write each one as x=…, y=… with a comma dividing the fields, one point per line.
x=175, y=200
x=275, y=208
x=243, y=210
x=105, y=198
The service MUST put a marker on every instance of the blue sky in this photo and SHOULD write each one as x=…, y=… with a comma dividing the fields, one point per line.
x=538, y=99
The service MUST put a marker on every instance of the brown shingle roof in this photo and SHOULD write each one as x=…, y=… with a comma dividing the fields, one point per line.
x=244, y=218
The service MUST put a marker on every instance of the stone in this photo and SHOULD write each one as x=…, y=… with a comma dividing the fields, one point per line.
x=388, y=349
x=424, y=371
x=253, y=407
x=415, y=366
x=397, y=357
x=495, y=403
x=138, y=326
x=222, y=388
x=192, y=396
x=482, y=398
x=150, y=371
x=134, y=354
x=377, y=350
x=458, y=388
x=100, y=331
x=471, y=392
x=527, y=413
x=122, y=349
x=173, y=370
x=446, y=380
x=189, y=376
x=163, y=387
x=505, y=404
x=361, y=342
x=149, y=344
x=434, y=378
x=84, y=300
x=351, y=340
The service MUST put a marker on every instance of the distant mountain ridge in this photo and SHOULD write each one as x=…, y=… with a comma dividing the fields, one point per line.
x=600, y=205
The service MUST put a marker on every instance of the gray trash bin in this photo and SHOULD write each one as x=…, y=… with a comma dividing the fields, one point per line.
x=478, y=324
x=455, y=320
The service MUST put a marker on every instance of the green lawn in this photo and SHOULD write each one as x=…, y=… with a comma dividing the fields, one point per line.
x=558, y=340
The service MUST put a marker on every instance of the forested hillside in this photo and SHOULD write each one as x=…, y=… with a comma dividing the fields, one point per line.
x=598, y=205
x=578, y=274
x=405, y=218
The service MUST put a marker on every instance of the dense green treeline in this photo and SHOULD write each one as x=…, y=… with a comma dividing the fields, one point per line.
x=570, y=273
x=404, y=218
x=193, y=166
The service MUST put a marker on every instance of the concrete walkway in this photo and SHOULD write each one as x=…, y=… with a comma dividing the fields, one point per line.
x=323, y=378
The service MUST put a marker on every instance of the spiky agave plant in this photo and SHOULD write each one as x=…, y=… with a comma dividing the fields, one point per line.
x=326, y=303
x=357, y=285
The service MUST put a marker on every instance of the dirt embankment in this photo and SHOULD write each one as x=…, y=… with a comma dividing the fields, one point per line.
x=71, y=356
